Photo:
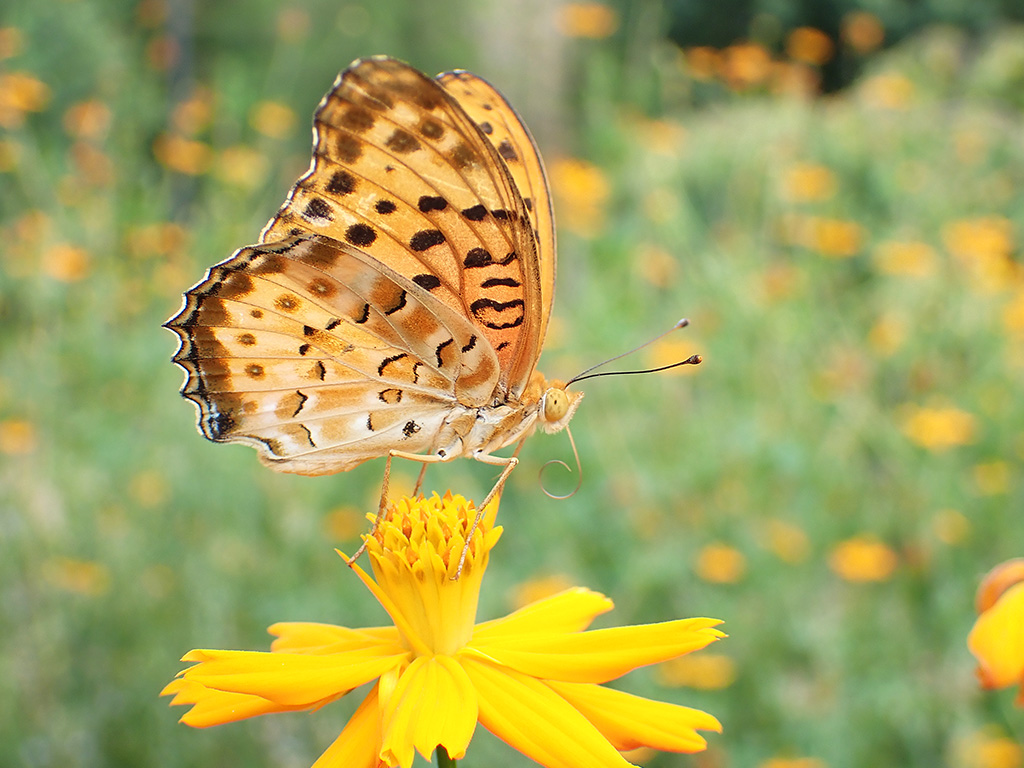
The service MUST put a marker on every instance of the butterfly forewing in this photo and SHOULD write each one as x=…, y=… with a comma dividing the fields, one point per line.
x=512, y=140
x=400, y=171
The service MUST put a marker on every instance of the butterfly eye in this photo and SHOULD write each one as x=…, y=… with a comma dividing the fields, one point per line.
x=556, y=405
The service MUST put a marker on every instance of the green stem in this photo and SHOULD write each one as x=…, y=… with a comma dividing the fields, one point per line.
x=443, y=761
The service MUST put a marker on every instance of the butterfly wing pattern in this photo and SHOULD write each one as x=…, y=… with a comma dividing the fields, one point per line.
x=397, y=302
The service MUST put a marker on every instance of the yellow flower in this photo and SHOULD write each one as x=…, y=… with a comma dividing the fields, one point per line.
x=808, y=182
x=997, y=638
x=939, y=429
x=182, y=155
x=532, y=678
x=582, y=191
x=809, y=45
x=910, y=258
x=720, y=564
x=863, y=558
x=862, y=31
x=272, y=119
x=593, y=20
x=707, y=671
x=888, y=91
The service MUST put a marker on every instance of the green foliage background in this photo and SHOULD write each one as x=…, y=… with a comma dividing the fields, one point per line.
x=126, y=539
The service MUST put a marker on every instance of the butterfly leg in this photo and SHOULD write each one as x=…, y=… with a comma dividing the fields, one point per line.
x=423, y=459
x=509, y=464
x=419, y=480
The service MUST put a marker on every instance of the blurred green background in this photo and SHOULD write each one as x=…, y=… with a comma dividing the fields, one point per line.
x=833, y=193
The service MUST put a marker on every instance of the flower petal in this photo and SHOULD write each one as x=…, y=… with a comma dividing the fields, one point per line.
x=629, y=721
x=359, y=742
x=311, y=637
x=433, y=704
x=211, y=707
x=997, y=640
x=598, y=655
x=529, y=716
x=290, y=679
x=571, y=610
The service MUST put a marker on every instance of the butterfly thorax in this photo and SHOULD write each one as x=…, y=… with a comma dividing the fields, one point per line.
x=470, y=431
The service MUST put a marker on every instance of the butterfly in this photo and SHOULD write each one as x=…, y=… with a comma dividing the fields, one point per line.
x=397, y=303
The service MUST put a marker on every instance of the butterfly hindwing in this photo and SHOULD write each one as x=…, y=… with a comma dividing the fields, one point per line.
x=321, y=357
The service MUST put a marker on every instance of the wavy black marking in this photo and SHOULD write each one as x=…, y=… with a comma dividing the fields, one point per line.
x=479, y=306
x=365, y=316
x=399, y=305
x=320, y=370
x=335, y=322
x=440, y=348
x=494, y=282
x=302, y=401
x=393, y=359
x=470, y=344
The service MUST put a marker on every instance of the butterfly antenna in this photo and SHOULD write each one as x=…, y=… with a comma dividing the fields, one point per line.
x=579, y=469
x=692, y=360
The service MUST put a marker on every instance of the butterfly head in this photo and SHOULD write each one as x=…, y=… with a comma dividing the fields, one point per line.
x=557, y=406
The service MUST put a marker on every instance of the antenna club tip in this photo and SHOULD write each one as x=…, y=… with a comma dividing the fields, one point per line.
x=695, y=360
x=682, y=323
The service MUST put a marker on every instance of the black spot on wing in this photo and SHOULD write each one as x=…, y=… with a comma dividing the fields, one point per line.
x=402, y=142
x=487, y=128
x=475, y=213
x=429, y=203
x=317, y=208
x=303, y=349
x=482, y=306
x=332, y=324
x=507, y=151
x=341, y=183
x=365, y=316
x=428, y=281
x=426, y=238
x=470, y=344
x=410, y=428
x=360, y=234
x=384, y=207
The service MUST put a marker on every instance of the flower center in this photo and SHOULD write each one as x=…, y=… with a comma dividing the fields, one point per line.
x=415, y=554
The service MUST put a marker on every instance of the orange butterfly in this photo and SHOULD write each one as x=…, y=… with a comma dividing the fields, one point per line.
x=397, y=303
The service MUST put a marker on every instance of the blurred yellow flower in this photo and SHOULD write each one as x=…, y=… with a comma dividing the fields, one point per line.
x=703, y=671
x=809, y=45
x=94, y=166
x=592, y=20
x=88, y=120
x=702, y=62
x=532, y=678
x=720, y=563
x=193, y=115
x=863, y=558
x=939, y=428
x=992, y=477
x=11, y=42
x=745, y=64
x=1013, y=314
x=582, y=191
x=985, y=246
x=149, y=488
x=787, y=541
x=793, y=762
x=807, y=182
x=950, y=526
x=887, y=335
x=655, y=265
x=539, y=589
x=161, y=239
x=987, y=747
x=293, y=24
x=343, y=523
x=665, y=137
x=17, y=437
x=911, y=258
x=82, y=577
x=272, y=119
x=887, y=91
x=862, y=31
x=779, y=282
x=997, y=638
x=836, y=238
x=241, y=166
x=182, y=155
x=20, y=93
x=795, y=79
x=67, y=263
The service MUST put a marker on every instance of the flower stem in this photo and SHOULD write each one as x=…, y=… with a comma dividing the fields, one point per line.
x=443, y=761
